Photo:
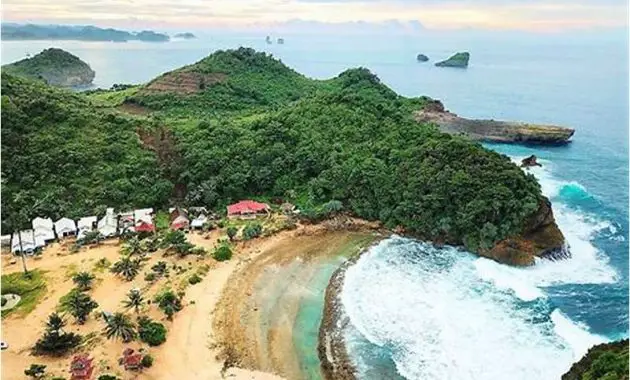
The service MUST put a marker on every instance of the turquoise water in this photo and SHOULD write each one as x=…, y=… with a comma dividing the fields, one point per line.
x=447, y=314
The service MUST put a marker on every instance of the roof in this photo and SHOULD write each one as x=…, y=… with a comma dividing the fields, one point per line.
x=42, y=222
x=81, y=366
x=65, y=224
x=87, y=221
x=246, y=207
x=199, y=221
x=28, y=240
x=144, y=227
x=143, y=214
x=177, y=212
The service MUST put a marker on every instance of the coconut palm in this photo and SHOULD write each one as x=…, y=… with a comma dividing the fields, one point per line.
x=127, y=267
x=120, y=326
x=132, y=247
x=80, y=305
x=55, y=322
x=134, y=300
x=83, y=280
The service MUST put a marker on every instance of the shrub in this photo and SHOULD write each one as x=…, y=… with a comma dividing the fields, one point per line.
x=194, y=279
x=149, y=277
x=169, y=303
x=221, y=223
x=147, y=361
x=199, y=251
x=151, y=332
x=252, y=230
x=35, y=371
x=107, y=377
x=102, y=264
x=231, y=232
x=222, y=253
x=55, y=342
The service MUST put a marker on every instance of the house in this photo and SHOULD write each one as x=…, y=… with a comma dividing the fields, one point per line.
x=125, y=222
x=108, y=225
x=65, y=227
x=143, y=218
x=144, y=227
x=131, y=360
x=28, y=242
x=247, y=209
x=178, y=219
x=81, y=367
x=198, y=222
x=85, y=225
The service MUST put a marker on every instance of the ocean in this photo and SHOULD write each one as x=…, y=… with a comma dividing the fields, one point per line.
x=423, y=313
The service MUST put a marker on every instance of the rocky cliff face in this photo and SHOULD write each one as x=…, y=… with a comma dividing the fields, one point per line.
x=55, y=66
x=541, y=237
x=493, y=130
x=608, y=361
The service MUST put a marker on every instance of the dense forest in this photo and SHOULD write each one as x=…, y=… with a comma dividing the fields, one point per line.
x=54, y=66
x=241, y=124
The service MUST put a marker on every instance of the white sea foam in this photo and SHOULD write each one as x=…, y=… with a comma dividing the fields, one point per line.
x=440, y=320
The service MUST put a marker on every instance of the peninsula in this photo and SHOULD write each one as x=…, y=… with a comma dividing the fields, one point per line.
x=11, y=31
x=56, y=67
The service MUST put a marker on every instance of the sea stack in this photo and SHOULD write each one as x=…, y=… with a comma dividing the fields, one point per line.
x=422, y=58
x=55, y=66
x=459, y=60
x=268, y=40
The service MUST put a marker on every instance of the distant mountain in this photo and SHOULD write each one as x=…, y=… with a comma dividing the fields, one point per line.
x=56, y=67
x=81, y=33
x=186, y=36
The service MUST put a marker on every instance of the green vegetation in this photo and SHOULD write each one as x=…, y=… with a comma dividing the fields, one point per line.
x=607, y=361
x=102, y=264
x=194, y=279
x=134, y=300
x=147, y=361
x=169, y=303
x=91, y=237
x=120, y=326
x=222, y=253
x=252, y=230
x=55, y=341
x=36, y=371
x=127, y=267
x=151, y=332
x=260, y=130
x=54, y=66
x=31, y=288
x=108, y=377
x=231, y=232
x=83, y=280
x=84, y=33
x=456, y=60
x=79, y=305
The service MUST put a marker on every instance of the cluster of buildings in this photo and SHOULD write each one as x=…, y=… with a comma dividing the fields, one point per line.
x=44, y=230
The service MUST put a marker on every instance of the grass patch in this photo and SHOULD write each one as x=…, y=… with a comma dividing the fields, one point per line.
x=31, y=289
x=63, y=301
x=162, y=220
x=102, y=265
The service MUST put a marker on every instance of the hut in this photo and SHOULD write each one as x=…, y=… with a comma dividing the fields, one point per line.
x=27, y=238
x=131, y=360
x=198, y=222
x=85, y=225
x=178, y=219
x=81, y=367
x=125, y=222
x=43, y=230
x=144, y=227
x=247, y=209
x=108, y=225
x=65, y=227
x=143, y=220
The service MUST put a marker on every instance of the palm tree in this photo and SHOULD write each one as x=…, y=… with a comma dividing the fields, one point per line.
x=132, y=247
x=55, y=322
x=127, y=267
x=120, y=325
x=83, y=280
x=169, y=303
x=134, y=300
x=80, y=305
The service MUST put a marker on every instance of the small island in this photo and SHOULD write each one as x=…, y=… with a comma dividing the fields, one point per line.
x=56, y=67
x=280, y=41
x=18, y=32
x=268, y=40
x=459, y=60
x=185, y=36
x=422, y=58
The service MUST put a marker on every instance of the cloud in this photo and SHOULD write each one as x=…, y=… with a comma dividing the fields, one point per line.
x=541, y=15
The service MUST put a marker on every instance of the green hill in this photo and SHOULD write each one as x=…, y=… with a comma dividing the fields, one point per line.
x=56, y=67
x=607, y=361
x=241, y=124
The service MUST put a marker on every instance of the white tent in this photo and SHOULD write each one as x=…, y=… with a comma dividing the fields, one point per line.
x=199, y=221
x=43, y=231
x=108, y=225
x=5, y=240
x=65, y=227
x=28, y=242
x=85, y=225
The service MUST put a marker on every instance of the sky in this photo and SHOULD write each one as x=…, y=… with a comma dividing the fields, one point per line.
x=525, y=15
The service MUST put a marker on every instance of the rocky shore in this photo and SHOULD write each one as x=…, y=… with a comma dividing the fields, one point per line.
x=493, y=130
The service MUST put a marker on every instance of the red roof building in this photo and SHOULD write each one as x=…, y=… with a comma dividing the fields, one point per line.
x=145, y=227
x=131, y=360
x=81, y=367
x=247, y=208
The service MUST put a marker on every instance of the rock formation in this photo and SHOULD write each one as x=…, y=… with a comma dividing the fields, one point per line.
x=603, y=361
x=493, y=130
x=459, y=60
x=422, y=58
x=55, y=66
x=530, y=161
x=541, y=237
x=268, y=40
x=280, y=41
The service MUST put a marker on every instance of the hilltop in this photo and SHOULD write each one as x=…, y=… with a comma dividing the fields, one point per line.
x=240, y=124
x=80, y=33
x=56, y=67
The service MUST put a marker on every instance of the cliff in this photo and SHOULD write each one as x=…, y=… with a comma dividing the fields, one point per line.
x=493, y=130
x=608, y=361
x=459, y=60
x=56, y=67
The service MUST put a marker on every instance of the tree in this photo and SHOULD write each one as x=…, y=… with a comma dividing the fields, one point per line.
x=83, y=280
x=36, y=371
x=332, y=207
x=151, y=332
x=160, y=268
x=252, y=230
x=133, y=246
x=92, y=237
x=231, y=232
x=126, y=267
x=80, y=305
x=120, y=326
x=134, y=300
x=169, y=303
x=222, y=253
x=55, y=342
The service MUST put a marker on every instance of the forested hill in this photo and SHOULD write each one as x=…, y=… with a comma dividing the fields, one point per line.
x=55, y=66
x=241, y=124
